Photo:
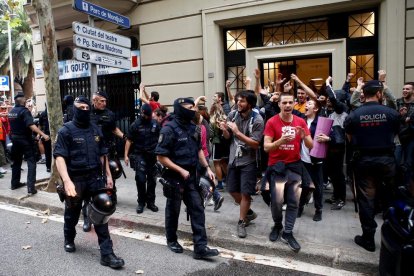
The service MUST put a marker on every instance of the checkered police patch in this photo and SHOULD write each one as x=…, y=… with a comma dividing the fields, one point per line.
x=161, y=138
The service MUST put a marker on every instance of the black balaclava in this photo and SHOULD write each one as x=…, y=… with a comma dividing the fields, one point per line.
x=146, y=112
x=183, y=114
x=82, y=118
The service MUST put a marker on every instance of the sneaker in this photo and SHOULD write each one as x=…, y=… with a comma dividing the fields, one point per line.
x=367, y=244
x=42, y=161
x=318, y=215
x=331, y=200
x=250, y=217
x=207, y=199
x=3, y=170
x=275, y=233
x=218, y=203
x=338, y=205
x=290, y=241
x=241, y=230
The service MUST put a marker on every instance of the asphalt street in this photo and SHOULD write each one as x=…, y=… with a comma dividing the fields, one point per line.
x=32, y=244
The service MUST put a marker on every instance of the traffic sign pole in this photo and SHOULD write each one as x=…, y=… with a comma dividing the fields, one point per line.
x=94, y=69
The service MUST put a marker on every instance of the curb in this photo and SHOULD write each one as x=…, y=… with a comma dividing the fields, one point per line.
x=338, y=258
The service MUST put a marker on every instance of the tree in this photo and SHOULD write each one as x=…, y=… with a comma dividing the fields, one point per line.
x=51, y=73
x=22, y=49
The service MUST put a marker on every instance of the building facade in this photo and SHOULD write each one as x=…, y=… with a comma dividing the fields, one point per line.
x=190, y=48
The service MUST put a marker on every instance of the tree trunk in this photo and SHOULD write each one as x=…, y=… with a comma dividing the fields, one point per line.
x=51, y=72
x=28, y=82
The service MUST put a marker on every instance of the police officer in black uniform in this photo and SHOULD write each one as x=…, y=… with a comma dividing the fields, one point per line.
x=371, y=129
x=67, y=108
x=81, y=161
x=22, y=126
x=105, y=120
x=44, y=125
x=179, y=150
x=143, y=134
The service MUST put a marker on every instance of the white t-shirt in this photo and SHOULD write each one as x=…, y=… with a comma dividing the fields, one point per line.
x=304, y=151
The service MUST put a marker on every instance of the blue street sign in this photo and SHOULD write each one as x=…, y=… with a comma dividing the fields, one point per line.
x=101, y=13
x=4, y=83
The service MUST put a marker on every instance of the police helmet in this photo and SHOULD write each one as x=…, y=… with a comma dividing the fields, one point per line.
x=102, y=206
x=116, y=168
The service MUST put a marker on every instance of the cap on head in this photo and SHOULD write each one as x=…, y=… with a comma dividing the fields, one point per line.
x=185, y=101
x=82, y=99
x=146, y=109
x=373, y=84
x=18, y=95
x=101, y=94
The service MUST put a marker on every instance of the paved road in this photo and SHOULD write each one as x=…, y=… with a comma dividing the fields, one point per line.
x=22, y=227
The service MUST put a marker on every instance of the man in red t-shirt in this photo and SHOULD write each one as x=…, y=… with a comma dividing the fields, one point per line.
x=283, y=137
x=152, y=101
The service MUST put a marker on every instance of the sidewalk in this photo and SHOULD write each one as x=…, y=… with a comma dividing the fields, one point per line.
x=328, y=242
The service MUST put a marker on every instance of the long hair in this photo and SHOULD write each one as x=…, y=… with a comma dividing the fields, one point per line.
x=217, y=114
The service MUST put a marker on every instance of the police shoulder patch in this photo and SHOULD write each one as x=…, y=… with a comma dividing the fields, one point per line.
x=161, y=138
x=97, y=138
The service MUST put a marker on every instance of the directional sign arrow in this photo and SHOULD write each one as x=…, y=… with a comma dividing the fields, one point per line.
x=101, y=46
x=102, y=59
x=100, y=34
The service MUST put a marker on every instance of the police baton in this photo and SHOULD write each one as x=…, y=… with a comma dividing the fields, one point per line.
x=354, y=192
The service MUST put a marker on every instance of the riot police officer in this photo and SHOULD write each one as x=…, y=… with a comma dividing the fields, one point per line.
x=22, y=126
x=105, y=120
x=143, y=134
x=371, y=129
x=81, y=161
x=179, y=150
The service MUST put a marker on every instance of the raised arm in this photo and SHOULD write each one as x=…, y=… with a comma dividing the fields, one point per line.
x=229, y=94
x=307, y=89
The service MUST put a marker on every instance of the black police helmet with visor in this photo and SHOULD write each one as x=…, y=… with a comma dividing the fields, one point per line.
x=102, y=206
x=116, y=168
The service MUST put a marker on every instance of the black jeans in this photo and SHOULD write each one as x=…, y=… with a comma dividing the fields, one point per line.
x=374, y=178
x=23, y=147
x=285, y=188
x=315, y=172
x=335, y=170
x=192, y=199
x=84, y=189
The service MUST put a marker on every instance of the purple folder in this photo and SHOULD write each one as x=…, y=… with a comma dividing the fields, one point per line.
x=324, y=126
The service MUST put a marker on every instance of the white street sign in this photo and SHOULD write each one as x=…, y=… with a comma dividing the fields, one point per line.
x=102, y=59
x=102, y=35
x=100, y=46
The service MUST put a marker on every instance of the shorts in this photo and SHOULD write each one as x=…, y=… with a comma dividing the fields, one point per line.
x=242, y=179
x=221, y=150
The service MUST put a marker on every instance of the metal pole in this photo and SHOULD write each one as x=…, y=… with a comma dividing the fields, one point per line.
x=94, y=70
x=11, y=62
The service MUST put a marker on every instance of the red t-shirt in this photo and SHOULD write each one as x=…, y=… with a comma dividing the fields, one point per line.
x=290, y=152
x=154, y=105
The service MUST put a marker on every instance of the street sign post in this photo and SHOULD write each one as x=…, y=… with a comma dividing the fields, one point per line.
x=95, y=33
x=102, y=13
x=4, y=83
x=102, y=59
x=101, y=46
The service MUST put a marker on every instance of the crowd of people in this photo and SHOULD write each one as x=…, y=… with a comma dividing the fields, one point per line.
x=260, y=140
